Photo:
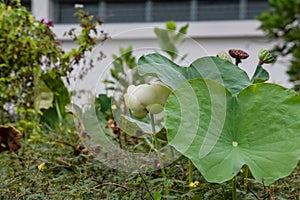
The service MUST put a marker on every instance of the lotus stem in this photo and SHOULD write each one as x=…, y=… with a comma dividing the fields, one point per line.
x=246, y=178
x=161, y=164
x=234, y=188
x=191, y=167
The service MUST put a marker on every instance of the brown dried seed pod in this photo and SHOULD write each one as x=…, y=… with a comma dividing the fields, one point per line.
x=238, y=55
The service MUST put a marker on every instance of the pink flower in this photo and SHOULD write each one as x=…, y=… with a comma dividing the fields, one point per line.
x=47, y=23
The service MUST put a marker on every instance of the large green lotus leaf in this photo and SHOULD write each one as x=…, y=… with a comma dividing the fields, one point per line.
x=222, y=71
x=231, y=76
x=221, y=132
x=163, y=68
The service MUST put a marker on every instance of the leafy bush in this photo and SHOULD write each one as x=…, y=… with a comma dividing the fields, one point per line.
x=31, y=56
x=281, y=24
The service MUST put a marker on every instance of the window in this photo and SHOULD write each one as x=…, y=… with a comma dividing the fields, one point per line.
x=118, y=11
x=256, y=7
x=64, y=10
x=166, y=10
x=124, y=11
x=218, y=10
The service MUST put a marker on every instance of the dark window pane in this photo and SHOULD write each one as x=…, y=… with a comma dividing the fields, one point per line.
x=256, y=7
x=64, y=10
x=125, y=11
x=218, y=10
x=171, y=10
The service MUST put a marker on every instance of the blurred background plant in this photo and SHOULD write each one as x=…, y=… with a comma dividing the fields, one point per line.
x=169, y=39
x=33, y=66
x=282, y=25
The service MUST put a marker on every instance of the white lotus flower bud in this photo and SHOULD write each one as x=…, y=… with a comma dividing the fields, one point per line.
x=146, y=97
x=140, y=114
x=145, y=94
x=132, y=102
x=155, y=108
x=162, y=92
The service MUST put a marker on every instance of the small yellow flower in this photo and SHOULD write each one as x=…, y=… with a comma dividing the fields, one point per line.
x=194, y=184
x=113, y=107
x=41, y=166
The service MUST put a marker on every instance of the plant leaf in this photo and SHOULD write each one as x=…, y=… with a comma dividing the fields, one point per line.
x=171, y=25
x=221, y=132
x=104, y=102
x=183, y=29
x=260, y=75
x=135, y=127
x=43, y=95
x=220, y=70
x=166, y=41
x=163, y=68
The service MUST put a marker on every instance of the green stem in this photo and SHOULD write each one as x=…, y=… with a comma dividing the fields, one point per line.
x=191, y=167
x=161, y=164
x=234, y=188
x=246, y=179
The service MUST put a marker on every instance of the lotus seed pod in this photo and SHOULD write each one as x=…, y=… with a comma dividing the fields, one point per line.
x=223, y=55
x=238, y=54
x=265, y=56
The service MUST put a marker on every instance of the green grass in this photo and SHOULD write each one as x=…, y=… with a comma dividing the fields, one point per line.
x=70, y=173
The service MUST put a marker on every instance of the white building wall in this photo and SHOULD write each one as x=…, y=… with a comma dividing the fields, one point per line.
x=204, y=38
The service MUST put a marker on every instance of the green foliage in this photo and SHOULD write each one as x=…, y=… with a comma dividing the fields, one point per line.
x=225, y=122
x=61, y=98
x=103, y=105
x=123, y=72
x=25, y=46
x=213, y=68
x=220, y=133
x=281, y=24
x=43, y=95
x=31, y=54
x=260, y=75
x=168, y=38
x=69, y=175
